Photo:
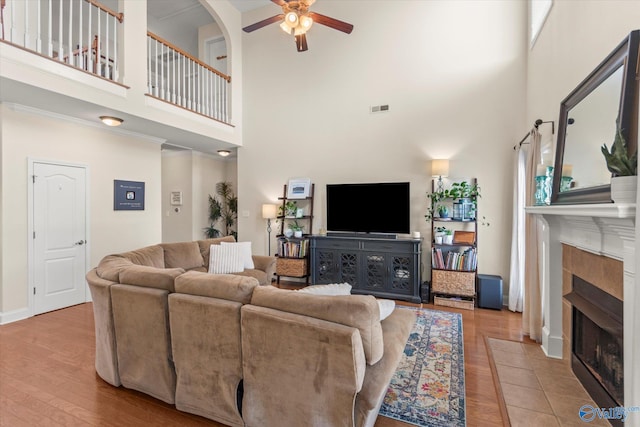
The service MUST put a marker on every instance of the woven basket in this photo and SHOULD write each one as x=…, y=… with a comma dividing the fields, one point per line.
x=453, y=282
x=455, y=303
x=291, y=267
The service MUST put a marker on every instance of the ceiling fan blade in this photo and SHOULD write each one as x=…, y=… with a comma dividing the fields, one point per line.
x=301, y=43
x=336, y=24
x=279, y=2
x=263, y=23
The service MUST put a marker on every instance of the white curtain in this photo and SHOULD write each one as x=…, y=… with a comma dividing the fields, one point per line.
x=525, y=293
x=516, y=279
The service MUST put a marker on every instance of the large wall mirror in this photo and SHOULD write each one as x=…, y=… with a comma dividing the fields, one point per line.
x=588, y=119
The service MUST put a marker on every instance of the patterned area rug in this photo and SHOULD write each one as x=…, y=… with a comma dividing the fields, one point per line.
x=428, y=386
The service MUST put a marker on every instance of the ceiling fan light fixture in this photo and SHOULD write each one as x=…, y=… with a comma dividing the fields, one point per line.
x=292, y=19
x=286, y=28
x=306, y=22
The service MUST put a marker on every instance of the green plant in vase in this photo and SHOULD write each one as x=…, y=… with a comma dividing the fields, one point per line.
x=297, y=228
x=624, y=168
x=443, y=211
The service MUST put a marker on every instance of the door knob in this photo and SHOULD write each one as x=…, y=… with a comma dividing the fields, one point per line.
x=81, y=242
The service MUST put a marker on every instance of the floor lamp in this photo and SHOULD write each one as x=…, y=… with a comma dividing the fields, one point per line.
x=269, y=213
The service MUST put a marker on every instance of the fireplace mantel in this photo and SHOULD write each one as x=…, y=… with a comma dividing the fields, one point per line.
x=606, y=229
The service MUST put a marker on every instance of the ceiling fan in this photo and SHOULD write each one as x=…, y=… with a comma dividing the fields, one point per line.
x=296, y=20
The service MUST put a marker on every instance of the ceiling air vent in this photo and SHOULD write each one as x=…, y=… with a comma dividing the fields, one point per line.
x=379, y=108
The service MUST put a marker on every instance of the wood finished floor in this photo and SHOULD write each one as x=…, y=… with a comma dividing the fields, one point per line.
x=47, y=375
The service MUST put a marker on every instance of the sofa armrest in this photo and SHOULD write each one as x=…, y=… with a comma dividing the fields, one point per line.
x=395, y=329
x=317, y=367
x=266, y=264
x=150, y=277
x=224, y=286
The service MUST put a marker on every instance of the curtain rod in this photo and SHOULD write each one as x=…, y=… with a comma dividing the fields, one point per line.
x=537, y=123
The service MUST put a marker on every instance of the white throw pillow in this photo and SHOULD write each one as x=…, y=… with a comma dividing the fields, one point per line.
x=331, y=289
x=245, y=250
x=225, y=259
x=386, y=307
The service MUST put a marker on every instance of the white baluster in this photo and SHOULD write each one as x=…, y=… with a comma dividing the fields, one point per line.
x=107, y=64
x=155, y=90
x=70, y=41
x=25, y=36
x=38, y=27
x=98, y=59
x=81, y=56
x=90, y=44
x=116, y=72
x=60, y=44
x=50, y=31
x=149, y=65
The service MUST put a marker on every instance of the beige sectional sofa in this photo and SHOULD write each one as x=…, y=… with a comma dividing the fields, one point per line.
x=236, y=350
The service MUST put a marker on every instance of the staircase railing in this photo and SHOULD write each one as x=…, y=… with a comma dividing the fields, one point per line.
x=177, y=77
x=81, y=33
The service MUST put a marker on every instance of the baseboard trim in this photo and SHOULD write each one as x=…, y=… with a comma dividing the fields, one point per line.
x=14, y=316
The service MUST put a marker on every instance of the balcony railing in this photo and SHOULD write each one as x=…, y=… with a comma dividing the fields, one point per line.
x=180, y=79
x=81, y=33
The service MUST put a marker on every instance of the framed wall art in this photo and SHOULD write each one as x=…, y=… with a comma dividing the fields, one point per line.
x=128, y=195
x=299, y=188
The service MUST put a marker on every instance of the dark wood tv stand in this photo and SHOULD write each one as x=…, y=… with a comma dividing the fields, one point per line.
x=385, y=268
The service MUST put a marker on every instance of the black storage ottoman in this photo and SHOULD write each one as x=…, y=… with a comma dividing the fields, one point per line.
x=489, y=291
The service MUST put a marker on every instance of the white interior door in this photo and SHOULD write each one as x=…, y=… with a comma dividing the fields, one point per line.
x=217, y=54
x=59, y=220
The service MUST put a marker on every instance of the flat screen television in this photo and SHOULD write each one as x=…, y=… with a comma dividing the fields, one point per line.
x=368, y=208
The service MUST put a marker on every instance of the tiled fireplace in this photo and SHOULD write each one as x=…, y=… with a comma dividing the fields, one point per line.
x=596, y=244
x=592, y=323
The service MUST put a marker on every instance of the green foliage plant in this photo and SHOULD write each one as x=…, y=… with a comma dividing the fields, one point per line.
x=619, y=162
x=222, y=209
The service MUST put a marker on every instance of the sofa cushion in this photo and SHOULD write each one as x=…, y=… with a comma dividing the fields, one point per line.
x=330, y=289
x=152, y=256
x=183, y=255
x=205, y=245
x=245, y=250
x=225, y=286
x=259, y=275
x=386, y=307
x=225, y=259
x=358, y=311
x=150, y=277
x=110, y=267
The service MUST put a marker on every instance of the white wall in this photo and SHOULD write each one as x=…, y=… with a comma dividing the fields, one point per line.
x=207, y=172
x=108, y=156
x=453, y=74
x=574, y=40
x=196, y=175
x=177, y=174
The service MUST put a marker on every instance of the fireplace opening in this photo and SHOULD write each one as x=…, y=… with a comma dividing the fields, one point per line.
x=597, y=342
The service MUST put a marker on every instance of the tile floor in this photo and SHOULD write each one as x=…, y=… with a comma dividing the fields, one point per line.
x=537, y=390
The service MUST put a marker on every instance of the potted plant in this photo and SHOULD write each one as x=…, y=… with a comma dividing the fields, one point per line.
x=435, y=197
x=439, y=234
x=224, y=209
x=443, y=211
x=297, y=229
x=624, y=168
x=290, y=209
x=448, y=237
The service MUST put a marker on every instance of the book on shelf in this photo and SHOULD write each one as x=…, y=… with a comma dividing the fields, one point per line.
x=293, y=249
x=463, y=260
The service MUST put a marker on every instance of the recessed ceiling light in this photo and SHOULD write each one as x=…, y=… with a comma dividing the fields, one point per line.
x=111, y=121
x=224, y=153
